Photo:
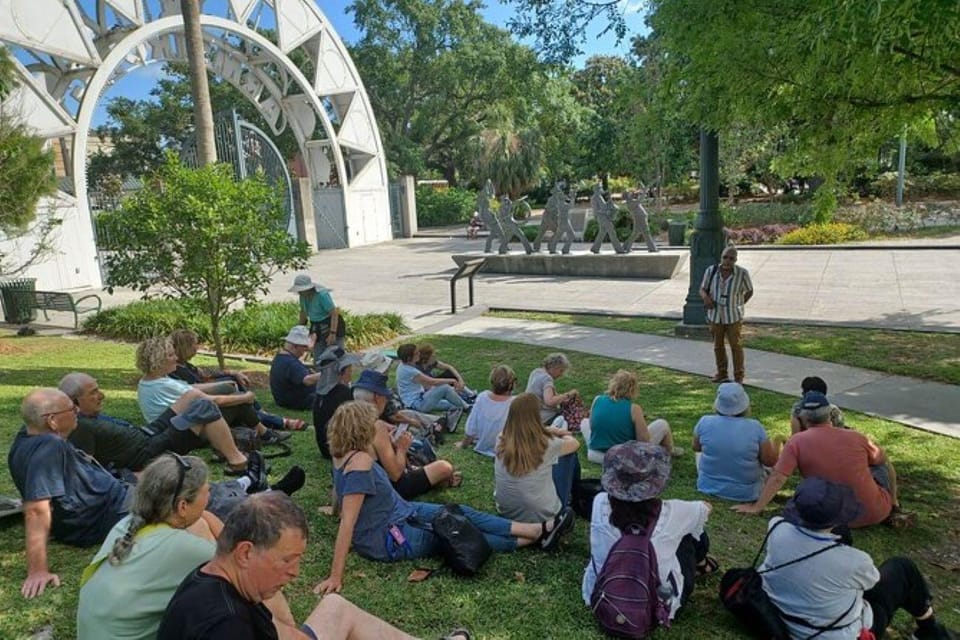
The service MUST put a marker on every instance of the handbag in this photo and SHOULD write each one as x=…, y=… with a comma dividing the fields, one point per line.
x=741, y=592
x=462, y=545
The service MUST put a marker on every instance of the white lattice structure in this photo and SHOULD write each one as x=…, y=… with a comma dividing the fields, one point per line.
x=70, y=51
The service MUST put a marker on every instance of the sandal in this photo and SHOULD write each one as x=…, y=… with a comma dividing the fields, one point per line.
x=455, y=480
x=295, y=424
x=709, y=566
x=900, y=519
x=562, y=522
x=457, y=634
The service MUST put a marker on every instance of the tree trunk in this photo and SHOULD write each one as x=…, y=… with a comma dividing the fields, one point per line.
x=217, y=340
x=199, y=87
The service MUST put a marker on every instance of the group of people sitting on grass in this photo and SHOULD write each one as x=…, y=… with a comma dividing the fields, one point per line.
x=194, y=559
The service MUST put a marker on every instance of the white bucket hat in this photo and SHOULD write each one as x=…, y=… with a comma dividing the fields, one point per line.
x=299, y=335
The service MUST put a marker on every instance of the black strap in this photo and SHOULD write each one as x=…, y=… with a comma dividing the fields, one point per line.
x=830, y=627
x=795, y=560
x=796, y=619
x=347, y=461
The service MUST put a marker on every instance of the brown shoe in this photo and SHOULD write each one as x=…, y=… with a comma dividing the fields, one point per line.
x=717, y=377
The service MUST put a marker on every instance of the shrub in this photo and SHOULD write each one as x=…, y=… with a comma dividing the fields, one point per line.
x=827, y=233
x=758, y=214
x=255, y=328
x=764, y=234
x=621, y=184
x=916, y=186
x=882, y=217
x=147, y=318
x=687, y=191
x=439, y=207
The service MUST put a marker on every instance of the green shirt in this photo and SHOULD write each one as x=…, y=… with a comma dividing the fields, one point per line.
x=318, y=306
x=128, y=600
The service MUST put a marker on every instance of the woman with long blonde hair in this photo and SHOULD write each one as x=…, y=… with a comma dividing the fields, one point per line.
x=535, y=466
x=380, y=525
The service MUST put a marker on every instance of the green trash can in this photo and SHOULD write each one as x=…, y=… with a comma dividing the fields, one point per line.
x=16, y=310
x=676, y=232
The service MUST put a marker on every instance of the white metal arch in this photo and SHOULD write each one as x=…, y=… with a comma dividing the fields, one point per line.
x=76, y=48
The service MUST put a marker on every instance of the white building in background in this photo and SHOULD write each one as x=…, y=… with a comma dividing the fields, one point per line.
x=69, y=51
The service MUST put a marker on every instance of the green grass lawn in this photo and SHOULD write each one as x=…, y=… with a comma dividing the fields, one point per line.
x=527, y=594
x=929, y=356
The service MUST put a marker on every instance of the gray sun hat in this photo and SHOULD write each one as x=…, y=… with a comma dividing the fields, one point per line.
x=375, y=361
x=199, y=412
x=821, y=504
x=299, y=335
x=303, y=282
x=731, y=400
x=635, y=471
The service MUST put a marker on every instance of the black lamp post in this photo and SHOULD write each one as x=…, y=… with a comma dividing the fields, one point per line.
x=706, y=244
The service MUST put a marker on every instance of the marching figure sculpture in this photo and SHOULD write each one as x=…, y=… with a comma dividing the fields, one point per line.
x=564, y=226
x=604, y=212
x=641, y=225
x=489, y=220
x=548, y=222
x=510, y=228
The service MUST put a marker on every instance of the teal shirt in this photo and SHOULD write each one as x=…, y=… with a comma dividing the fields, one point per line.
x=610, y=423
x=318, y=307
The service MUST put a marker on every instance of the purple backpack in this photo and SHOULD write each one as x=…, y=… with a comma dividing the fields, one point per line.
x=627, y=600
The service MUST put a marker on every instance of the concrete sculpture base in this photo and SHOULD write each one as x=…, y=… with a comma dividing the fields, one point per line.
x=658, y=266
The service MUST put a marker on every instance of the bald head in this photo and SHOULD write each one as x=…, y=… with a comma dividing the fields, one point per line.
x=42, y=403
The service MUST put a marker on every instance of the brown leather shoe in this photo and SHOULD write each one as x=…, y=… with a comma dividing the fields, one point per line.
x=719, y=378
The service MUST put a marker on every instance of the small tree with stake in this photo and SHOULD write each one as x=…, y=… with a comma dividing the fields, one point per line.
x=199, y=234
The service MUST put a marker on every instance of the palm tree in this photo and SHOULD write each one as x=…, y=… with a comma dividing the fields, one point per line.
x=199, y=87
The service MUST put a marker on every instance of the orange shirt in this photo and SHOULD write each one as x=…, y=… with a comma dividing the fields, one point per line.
x=843, y=456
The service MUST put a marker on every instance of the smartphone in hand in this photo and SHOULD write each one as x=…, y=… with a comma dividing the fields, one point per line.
x=399, y=430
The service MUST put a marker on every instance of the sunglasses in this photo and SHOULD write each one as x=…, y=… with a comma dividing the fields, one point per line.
x=182, y=466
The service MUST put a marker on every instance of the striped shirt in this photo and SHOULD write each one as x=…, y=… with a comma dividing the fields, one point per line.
x=727, y=294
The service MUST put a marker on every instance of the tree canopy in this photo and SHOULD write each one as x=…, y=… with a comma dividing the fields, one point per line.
x=198, y=234
x=26, y=175
x=438, y=76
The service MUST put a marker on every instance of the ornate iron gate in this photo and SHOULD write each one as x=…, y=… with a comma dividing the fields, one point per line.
x=249, y=150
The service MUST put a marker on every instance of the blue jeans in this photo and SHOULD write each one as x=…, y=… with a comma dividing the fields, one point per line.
x=442, y=396
x=565, y=473
x=422, y=543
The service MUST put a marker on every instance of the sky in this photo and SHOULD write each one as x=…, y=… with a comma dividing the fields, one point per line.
x=138, y=83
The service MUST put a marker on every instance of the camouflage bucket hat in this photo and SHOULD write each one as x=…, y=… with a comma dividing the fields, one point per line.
x=635, y=471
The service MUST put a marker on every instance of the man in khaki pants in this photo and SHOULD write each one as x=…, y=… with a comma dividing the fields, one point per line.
x=725, y=289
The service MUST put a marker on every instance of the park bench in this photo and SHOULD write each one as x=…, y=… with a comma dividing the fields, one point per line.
x=58, y=301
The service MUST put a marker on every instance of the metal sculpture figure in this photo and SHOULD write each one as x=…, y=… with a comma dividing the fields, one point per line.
x=549, y=220
x=641, y=224
x=510, y=227
x=489, y=220
x=604, y=212
x=564, y=225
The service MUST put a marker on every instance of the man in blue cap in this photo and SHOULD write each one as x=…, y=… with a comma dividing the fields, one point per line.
x=839, y=455
x=830, y=590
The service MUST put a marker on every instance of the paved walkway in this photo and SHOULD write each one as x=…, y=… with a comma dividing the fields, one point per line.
x=930, y=406
x=906, y=285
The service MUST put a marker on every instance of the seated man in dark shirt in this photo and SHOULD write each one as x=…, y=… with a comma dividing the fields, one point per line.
x=291, y=382
x=328, y=399
x=189, y=424
x=65, y=492
x=237, y=594
x=69, y=495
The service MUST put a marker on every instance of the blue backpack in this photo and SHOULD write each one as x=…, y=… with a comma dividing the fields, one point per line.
x=628, y=600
